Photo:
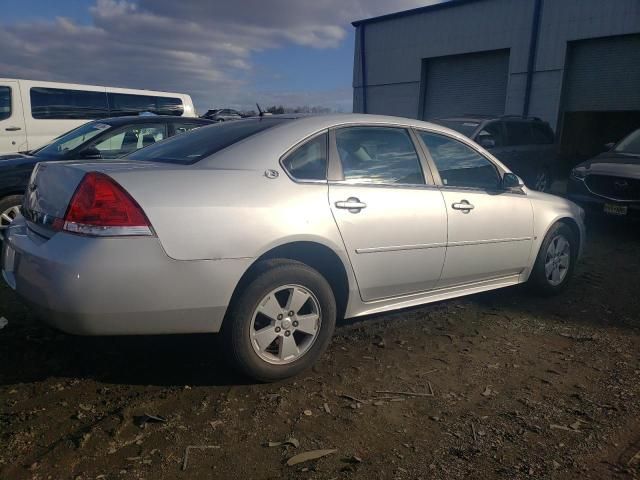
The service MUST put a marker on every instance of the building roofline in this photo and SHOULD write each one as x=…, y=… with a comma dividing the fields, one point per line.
x=405, y=13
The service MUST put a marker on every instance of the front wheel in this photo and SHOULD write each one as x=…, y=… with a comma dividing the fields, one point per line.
x=556, y=261
x=281, y=322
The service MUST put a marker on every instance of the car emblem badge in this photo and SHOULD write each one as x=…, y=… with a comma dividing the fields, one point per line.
x=621, y=184
x=271, y=173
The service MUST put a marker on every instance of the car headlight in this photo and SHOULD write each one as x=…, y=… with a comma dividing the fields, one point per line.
x=579, y=173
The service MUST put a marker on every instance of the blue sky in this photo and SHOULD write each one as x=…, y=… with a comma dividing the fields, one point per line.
x=291, y=52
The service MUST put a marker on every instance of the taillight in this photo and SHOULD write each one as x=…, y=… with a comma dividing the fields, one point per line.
x=101, y=207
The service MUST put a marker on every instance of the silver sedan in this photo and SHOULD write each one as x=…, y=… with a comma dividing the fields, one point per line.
x=268, y=229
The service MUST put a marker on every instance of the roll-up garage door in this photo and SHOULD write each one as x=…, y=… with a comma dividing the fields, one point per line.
x=603, y=74
x=474, y=83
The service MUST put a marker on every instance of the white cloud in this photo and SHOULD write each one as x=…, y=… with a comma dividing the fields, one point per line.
x=200, y=47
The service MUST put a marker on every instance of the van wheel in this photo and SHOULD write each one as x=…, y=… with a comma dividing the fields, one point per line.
x=281, y=322
x=9, y=210
x=556, y=261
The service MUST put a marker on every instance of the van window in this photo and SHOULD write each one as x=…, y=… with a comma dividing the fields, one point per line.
x=5, y=103
x=58, y=103
x=122, y=104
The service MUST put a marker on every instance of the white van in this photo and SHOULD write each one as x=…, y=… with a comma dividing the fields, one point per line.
x=32, y=113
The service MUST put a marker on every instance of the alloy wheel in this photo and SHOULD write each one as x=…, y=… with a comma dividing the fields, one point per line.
x=8, y=216
x=557, y=260
x=285, y=324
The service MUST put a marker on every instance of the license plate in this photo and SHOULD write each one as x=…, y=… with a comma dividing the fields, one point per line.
x=612, y=209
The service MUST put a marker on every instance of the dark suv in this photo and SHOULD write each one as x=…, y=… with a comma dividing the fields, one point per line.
x=525, y=145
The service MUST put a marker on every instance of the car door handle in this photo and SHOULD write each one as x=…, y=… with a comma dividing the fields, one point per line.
x=353, y=204
x=13, y=129
x=463, y=205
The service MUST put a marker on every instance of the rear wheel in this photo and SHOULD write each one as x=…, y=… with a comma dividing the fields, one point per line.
x=556, y=261
x=281, y=322
x=9, y=210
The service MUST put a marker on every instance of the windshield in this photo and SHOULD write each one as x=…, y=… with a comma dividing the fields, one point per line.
x=197, y=144
x=71, y=140
x=461, y=126
x=629, y=144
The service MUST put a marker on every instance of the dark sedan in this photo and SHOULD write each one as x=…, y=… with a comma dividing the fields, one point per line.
x=610, y=182
x=102, y=139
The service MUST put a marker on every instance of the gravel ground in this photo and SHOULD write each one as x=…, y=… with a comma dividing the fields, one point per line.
x=502, y=385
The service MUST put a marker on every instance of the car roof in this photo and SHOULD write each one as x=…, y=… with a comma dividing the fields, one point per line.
x=143, y=119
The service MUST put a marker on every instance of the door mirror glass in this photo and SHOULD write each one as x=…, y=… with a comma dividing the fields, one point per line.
x=511, y=180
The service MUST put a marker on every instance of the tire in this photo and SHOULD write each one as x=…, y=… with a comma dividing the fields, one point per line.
x=541, y=279
x=9, y=207
x=247, y=330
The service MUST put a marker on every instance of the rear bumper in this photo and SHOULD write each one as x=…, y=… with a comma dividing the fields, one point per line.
x=117, y=286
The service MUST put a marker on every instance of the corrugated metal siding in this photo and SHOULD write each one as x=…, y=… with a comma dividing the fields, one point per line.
x=463, y=84
x=603, y=74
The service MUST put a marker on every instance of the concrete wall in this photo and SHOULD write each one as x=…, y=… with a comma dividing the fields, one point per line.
x=395, y=48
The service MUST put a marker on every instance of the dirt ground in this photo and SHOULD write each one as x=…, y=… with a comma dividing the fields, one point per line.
x=522, y=387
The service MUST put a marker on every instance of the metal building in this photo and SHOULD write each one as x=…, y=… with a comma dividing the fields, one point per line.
x=573, y=63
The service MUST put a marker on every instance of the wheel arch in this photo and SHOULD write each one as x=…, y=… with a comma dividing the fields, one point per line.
x=314, y=254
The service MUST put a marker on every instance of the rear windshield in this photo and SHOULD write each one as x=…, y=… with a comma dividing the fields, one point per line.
x=466, y=128
x=197, y=144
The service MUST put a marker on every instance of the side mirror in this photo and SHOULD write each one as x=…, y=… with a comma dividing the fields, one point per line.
x=511, y=180
x=609, y=146
x=487, y=141
x=90, y=153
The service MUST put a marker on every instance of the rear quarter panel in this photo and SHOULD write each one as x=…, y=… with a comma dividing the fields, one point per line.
x=213, y=214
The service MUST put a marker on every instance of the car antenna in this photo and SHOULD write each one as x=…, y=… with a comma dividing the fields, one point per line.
x=260, y=112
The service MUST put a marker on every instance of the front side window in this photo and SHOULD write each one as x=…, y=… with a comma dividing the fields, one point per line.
x=63, y=104
x=5, y=102
x=519, y=133
x=460, y=165
x=309, y=161
x=130, y=139
x=378, y=155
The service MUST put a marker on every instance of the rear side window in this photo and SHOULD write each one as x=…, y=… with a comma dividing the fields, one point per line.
x=61, y=104
x=519, y=133
x=308, y=161
x=123, y=104
x=197, y=144
x=5, y=103
x=542, y=134
x=378, y=155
